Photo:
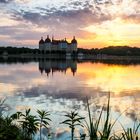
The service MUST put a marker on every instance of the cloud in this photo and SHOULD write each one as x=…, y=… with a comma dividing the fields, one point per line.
x=85, y=12
x=65, y=17
x=68, y=23
x=62, y=20
x=5, y=1
x=133, y=18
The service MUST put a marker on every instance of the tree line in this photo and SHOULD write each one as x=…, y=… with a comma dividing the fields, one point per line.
x=111, y=50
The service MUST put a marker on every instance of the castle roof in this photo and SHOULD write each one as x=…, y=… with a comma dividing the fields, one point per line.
x=74, y=40
x=56, y=42
x=64, y=41
x=41, y=41
x=47, y=39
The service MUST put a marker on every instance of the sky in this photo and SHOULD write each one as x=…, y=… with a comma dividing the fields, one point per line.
x=95, y=23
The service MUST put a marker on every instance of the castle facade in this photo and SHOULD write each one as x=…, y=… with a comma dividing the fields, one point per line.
x=53, y=45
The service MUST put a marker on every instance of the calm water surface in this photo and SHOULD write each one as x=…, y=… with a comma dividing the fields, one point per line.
x=60, y=86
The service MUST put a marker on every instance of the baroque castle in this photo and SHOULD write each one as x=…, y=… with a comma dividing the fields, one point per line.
x=54, y=45
x=51, y=66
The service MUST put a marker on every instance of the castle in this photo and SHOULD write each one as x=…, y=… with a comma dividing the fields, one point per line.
x=57, y=45
x=52, y=66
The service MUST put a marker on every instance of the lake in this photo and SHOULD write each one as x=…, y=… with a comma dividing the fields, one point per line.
x=60, y=86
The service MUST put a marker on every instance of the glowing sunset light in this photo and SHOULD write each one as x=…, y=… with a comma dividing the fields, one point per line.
x=113, y=78
x=95, y=24
x=116, y=32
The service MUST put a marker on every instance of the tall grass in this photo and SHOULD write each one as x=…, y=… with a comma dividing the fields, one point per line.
x=131, y=133
x=93, y=126
x=96, y=133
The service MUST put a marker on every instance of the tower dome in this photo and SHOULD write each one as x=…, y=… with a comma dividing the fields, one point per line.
x=41, y=41
x=74, y=41
x=65, y=41
x=47, y=39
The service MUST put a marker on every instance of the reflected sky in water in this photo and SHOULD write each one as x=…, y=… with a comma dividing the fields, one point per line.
x=63, y=85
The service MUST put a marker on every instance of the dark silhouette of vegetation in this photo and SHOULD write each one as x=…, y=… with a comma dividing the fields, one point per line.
x=43, y=120
x=111, y=50
x=93, y=127
x=73, y=120
x=29, y=124
x=15, y=50
x=9, y=131
x=130, y=133
x=23, y=126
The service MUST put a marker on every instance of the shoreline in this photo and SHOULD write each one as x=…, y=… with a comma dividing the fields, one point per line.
x=77, y=57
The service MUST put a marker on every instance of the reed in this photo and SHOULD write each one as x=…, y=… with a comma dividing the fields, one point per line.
x=131, y=133
x=93, y=126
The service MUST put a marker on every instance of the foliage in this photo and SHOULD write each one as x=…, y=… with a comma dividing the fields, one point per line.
x=93, y=126
x=73, y=120
x=43, y=119
x=9, y=131
x=131, y=133
x=111, y=50
x=2, y=107
x=23, y=126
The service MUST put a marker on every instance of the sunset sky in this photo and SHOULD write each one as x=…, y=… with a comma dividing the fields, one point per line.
x=95, y=23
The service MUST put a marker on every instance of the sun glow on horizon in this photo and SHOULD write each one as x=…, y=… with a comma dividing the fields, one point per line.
x=115, y=33
x=95, y=24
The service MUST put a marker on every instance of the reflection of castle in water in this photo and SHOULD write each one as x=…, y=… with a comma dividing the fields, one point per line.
x=51, y=66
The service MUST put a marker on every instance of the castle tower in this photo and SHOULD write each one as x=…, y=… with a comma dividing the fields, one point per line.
x=74, y=45
x=41, y=44
x=47, y=44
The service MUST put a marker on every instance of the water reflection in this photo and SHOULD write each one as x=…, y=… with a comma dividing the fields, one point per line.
x=51, y=66
x=26, y=86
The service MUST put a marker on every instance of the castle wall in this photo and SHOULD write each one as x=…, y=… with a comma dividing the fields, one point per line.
x=69, y=48
x=62, y=46
x=54, y=47
x=74, y=47
x=41, y=47
x=47, y=47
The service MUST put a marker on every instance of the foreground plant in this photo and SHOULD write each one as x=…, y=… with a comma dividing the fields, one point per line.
x=43, y=120
x=73, y=120
x=93, y=126
x=9, y=130
x=105, y=134
x=131, y=133
x=2, y=107
x=23, y=126
x=29, y=124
